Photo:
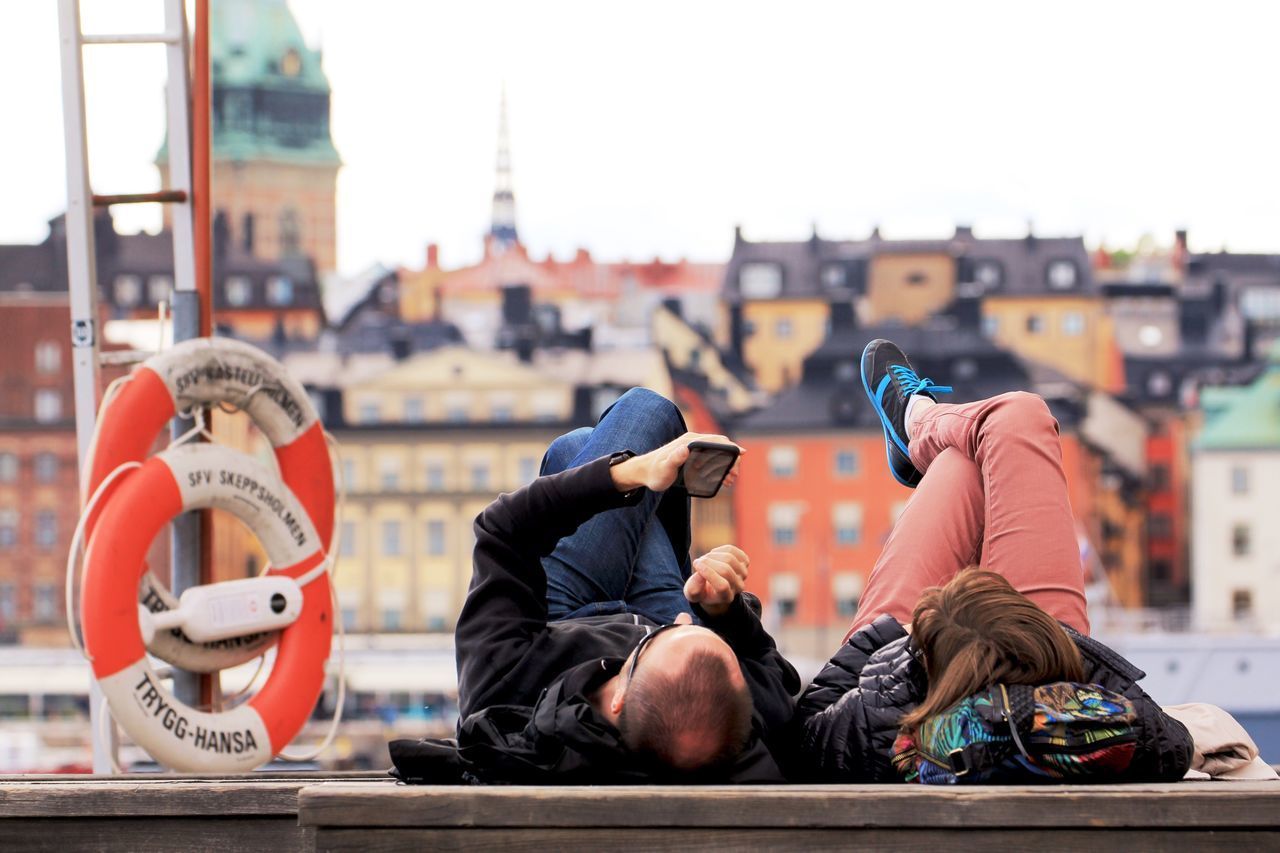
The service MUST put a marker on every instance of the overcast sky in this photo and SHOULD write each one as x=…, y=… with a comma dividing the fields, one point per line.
x=651, y=129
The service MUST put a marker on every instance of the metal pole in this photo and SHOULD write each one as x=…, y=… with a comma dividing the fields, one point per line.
x=186, y=539
x=82, y=284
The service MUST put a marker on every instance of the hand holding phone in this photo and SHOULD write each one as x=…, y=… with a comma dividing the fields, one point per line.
x=708, y=464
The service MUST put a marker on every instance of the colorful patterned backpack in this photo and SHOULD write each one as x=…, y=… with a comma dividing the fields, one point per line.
x=1060, y=732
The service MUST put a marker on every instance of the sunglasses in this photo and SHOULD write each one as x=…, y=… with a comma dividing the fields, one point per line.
x=639, y=650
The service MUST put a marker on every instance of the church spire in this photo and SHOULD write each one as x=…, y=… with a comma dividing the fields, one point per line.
x=503, y=228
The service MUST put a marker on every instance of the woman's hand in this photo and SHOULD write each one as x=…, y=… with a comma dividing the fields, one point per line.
x=718, y=576
x=657, y=469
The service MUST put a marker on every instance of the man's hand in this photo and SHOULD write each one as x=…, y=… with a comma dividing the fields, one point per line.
x=718, y=576
x=657, y=469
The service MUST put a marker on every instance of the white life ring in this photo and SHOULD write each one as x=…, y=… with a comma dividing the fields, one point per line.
x=209, y=371
x=179, y=736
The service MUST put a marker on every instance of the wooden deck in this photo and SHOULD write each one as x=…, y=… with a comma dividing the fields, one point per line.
x=371, y=813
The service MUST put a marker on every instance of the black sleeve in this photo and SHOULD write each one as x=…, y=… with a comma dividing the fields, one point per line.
x=773, y=680
x=506, y=606
x=833, y=731
x=1164, y=750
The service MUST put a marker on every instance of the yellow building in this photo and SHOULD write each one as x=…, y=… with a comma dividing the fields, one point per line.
x=1073, y=334
x=426, y=446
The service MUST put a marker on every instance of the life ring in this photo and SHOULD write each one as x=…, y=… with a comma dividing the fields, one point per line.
x=209, y=371
x=175, y=734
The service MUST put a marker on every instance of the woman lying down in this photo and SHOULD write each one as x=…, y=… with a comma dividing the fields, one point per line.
x=942, y=657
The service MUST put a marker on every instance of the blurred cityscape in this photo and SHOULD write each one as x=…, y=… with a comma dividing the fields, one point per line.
x=443, y=386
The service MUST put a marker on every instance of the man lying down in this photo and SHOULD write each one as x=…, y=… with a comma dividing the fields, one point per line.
x=590, y=649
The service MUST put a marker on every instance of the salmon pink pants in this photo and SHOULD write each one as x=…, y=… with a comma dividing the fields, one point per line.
x=993, y=494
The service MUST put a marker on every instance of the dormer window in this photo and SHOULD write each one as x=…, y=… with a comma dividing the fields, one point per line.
x=291, y=63
x=1062, y=274
x=834, y=276
x=988, y=273
x=760, y=280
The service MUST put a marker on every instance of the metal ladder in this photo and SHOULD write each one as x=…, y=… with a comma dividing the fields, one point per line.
x=82, y=276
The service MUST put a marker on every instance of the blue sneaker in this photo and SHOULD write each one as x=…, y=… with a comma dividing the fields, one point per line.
x=886, y=370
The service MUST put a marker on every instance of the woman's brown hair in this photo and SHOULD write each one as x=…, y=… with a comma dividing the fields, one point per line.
x=978, y=631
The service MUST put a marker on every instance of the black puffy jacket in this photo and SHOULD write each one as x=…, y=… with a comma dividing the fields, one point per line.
x=847, y=719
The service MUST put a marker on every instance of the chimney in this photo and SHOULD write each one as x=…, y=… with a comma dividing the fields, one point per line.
x=737, y=235
x=1180, y=252
x=964, y=232
x=433, y=256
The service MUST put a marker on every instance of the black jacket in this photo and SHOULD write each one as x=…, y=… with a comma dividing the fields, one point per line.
x=524, y=684
x=848, y=717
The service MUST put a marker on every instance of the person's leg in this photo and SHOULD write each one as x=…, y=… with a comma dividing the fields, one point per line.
x=620, y=560
x=1029, y=532
x=938, y=534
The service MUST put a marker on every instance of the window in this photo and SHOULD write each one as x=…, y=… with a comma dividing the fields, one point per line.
x=389, y=476
x=435, y=538
x=1061, y=275
x=846, y=463
x=965, y=369
x=391, y=619
x=990, y=325
x=782, y=328
x=279, y=290
x=784, y=592
x=988, y=273
x=502, y=412
x=8, y=528
x=1241, y=603
x=239, y=290
x=369, y=412
x=759, y=280
x=834, y=276
x=1159, y=477
x=1160, y=526
x=1239, y=480
x=1261, y=303
x=434, y=475
x=1159, y=384
x=1035, y=324
x=480, y=476
x=128, y=290
x=46, y=467
x=455, y=408
x=784, y=518
x=48, y=357
x=391, y=539
x=846, y=589
x=158, y=288
x=8, y=467
x=547, y=406
x=1150, y=336
x=290, y=239
x=8, y=603
x=415, y=410
x=46, y=602
x=349, y=618
x=783, y=461
x=48, y=405
x=846, y=371
x=347, y=547
x=46, y=529
x=349, y=474
x=1241, y=543
x=1073, y=324
x=846, y=518
x=1161, y=570
x=528, y=469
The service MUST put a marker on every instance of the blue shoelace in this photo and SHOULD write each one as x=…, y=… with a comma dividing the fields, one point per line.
x=909, y=383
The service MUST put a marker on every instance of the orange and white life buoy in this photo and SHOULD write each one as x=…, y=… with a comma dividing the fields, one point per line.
x=175, y=734
x=211, y=371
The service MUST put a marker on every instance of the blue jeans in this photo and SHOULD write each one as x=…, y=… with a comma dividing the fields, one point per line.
x=629, y=560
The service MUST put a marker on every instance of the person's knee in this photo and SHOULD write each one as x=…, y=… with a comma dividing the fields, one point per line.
x=1023, y=410
x=653, y=405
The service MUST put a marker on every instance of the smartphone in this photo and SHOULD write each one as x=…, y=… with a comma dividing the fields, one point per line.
x=708, y=464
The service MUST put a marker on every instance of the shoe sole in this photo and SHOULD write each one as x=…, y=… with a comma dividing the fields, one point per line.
x=891, y=451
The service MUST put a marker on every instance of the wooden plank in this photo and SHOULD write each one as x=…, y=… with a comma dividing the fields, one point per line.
x=147, y=796
x=1187, y=804
x=900, y=840
x=111, y=835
